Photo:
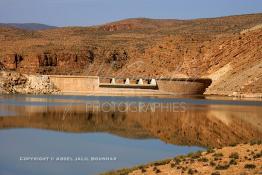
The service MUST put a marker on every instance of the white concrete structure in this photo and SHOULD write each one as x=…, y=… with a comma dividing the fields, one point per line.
x=113, y=81
x=140, y=81
x=153, y=82
x=127, y=81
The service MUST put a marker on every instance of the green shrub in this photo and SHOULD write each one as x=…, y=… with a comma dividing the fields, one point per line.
x=203, y=159
x=216, y=173
x=172, y=165
x=212, y=163
x=156, y=170
x=232, y=162
x=257, y=155
x=196, y=155
x=218, y=155
x=210, y=150
x=222, y=166
x=250, y=166
x=234, y=155
x=256, y=142
x=143, y=170
x=177, y=160
x=233, y=144
x=191, y=171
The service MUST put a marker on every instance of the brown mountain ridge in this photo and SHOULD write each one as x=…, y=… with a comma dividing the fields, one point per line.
x=226, y=49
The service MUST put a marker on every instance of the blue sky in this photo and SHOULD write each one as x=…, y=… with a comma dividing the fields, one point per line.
x=93, y=12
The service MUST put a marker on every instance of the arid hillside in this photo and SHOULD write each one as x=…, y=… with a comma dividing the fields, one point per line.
x=226, y=49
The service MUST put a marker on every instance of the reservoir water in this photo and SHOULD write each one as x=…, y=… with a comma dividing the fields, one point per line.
x=90, y=135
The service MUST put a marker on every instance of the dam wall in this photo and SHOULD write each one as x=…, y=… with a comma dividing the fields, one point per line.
x=75, y=84
x=95, y=85
x=183, y=86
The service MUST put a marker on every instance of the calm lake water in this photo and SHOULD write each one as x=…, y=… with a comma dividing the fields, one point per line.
x=90, y=135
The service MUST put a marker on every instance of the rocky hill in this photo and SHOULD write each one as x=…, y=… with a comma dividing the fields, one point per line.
x=226, y=49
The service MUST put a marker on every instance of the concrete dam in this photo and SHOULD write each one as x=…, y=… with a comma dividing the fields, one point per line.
x=88, y=85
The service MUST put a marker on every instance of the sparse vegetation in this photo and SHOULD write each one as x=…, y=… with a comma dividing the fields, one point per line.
x=250, y=166
x=210, y=150
x=234, y=155
x=217, y=155
x=257, y=155
x=233, y=162
x=143, y=170
x=177, y=160
x=195, y=155
x=172, y=165
x=192, y=171
x=256, y=142
x=229, y=159
x=222, y=166
x=156, y=170
x=212, y=163
x=203, y=159
x=233, y=144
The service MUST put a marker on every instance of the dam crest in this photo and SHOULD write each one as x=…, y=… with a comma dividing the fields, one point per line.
x=128, y=86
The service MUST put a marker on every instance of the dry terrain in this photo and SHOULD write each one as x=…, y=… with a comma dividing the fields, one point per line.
x=234, y=160
x=227, y=49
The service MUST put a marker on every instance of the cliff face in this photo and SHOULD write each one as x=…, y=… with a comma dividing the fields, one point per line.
x=226, y=49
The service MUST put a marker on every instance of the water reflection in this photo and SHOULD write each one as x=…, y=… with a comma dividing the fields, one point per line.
x=176, y=123
x=135, y=130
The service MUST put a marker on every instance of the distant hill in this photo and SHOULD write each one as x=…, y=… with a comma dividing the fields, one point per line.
x=218, y=25
x=28, y=26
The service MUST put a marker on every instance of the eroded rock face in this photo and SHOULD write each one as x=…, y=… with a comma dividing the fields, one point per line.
x=117, y=27
x=117, y=59
x=47, y=59
x=90, y=56
x=2, y=67
x=13, y=82
x=12, y=61
x=18, y=59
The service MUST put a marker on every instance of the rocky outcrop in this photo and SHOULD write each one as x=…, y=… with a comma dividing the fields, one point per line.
x=115, y=27
x=117, y=59
x=2, y=67
x=13, y=83
x=47, y=59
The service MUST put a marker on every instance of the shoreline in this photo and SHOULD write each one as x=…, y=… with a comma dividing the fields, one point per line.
x=234, y=159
